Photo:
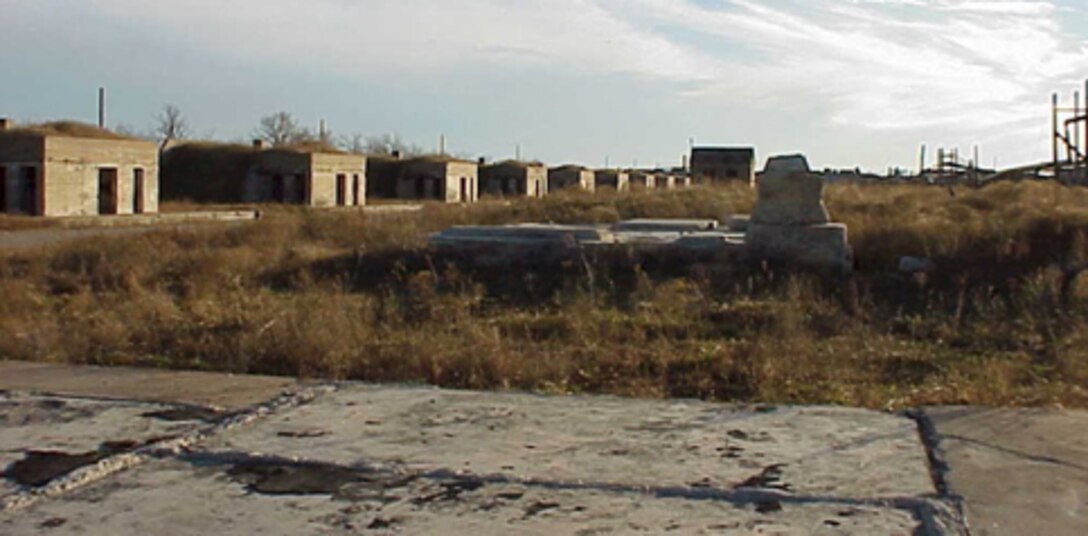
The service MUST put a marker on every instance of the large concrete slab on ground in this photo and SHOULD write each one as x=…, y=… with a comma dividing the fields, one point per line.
x=825, y=452
x=175, y=497
x=1019, y=471
x=226, y=391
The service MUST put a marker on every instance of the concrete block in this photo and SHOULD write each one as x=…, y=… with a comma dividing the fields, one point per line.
x=823, y=247
x=789, y=194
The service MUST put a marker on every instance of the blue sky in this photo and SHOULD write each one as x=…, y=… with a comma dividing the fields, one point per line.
x=848, y=82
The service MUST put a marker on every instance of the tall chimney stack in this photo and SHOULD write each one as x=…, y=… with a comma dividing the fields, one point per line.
x=102, y=107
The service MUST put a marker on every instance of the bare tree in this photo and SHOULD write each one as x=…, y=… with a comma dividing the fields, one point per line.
x=387, y=144
x=281, y=129
x=354, y=143
x=170, y=126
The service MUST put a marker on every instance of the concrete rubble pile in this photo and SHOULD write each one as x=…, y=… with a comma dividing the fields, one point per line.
x=789, y=225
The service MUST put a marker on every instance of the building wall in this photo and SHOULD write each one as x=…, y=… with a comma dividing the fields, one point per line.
x=455, y=173
x=639, y=179
x=560, y=178
x=723, y=165
x=293, y=167
x=325, y=168
x=70, y=177
x=616, y=180
x=440, y=180
x=514, y=180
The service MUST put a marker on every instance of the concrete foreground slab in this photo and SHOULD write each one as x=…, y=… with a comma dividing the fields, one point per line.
x=832, y=452
x=1019, y=471
x=425, y=461
x=225, y=391
x=173, y=497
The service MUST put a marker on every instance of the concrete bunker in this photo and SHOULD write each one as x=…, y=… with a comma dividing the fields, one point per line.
x=71, y=169
x=723, y=164
x=224, y=174
x=572, y=177
x=438, y=178
x=612, y=179
x=512, y=178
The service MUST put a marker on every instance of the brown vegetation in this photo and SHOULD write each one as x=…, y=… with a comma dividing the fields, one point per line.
x=1002, y=319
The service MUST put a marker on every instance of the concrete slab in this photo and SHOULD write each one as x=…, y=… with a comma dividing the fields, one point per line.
x=67, y=433
x=1019, y=471
x=825, y=452
x=176, y=497
x=225, y=391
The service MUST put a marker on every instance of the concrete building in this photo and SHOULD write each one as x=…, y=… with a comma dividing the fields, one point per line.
x=723, y=164
x=514, y=179
x=217, y=173
x=70, y=169
x=316, y=179
x=440, y=178
x=643, y=179
x=612, y=179
x=571, y=176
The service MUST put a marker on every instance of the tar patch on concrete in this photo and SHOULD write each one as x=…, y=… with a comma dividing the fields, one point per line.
x=186, y=413
x=39, y=467
x=284, y=478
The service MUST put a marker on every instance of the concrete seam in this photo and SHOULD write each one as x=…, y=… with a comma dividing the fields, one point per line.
x=111, y=465
x=938, y=466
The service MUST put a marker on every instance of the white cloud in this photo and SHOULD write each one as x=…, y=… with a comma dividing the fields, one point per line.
x=957, y=66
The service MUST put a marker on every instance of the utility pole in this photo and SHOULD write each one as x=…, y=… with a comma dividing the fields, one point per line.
x=1054, y=134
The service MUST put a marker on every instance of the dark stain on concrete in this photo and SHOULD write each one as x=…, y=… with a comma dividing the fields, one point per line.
x=39, y=467
x=769, y=478
x=284, y=478
x=186, y=413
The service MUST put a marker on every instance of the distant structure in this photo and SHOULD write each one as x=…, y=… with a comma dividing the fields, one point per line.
x=612, y=179
x=436, y=177
x=723, y=164
x=225, y=174
x=1070, y=136
x=71, y=169
x=571, y=176
x=643, y=180
x=512, y=178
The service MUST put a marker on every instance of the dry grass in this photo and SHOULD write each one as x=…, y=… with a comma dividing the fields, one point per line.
x=345, y=295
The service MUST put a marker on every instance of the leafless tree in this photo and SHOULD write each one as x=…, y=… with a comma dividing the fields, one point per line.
x=170, y=126
x=281, y=129
x=353, y=143
x=386, y=144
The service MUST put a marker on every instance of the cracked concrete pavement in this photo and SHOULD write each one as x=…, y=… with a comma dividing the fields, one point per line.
x=287, y=458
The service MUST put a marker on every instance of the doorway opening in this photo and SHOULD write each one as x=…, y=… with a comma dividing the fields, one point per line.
x=138, y=191
x=107, y=191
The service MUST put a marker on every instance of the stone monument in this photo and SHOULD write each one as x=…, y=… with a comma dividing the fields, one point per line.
x=790, y=224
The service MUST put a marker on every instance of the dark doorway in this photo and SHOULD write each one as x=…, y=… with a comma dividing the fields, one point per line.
x=464, y=190
x=341, y=190
x=302, y=190
x=355, y=190
x=3, y=189
x=138, y=191
x=279, y=189
x=107, y=191
x=421, y=188
x=28, y=191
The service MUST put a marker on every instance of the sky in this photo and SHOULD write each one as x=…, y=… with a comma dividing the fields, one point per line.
x=618, y=82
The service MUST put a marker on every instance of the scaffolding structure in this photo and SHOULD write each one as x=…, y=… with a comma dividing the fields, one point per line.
x=1069, y=143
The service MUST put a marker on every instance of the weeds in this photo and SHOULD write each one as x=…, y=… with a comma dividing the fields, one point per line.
x=1001, y=321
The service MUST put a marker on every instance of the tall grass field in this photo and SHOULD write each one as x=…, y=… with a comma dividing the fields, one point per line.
x=1002, y=319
